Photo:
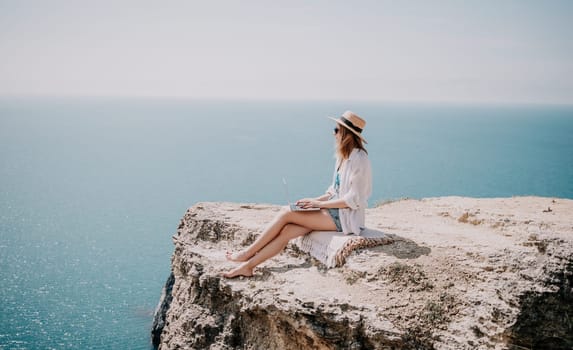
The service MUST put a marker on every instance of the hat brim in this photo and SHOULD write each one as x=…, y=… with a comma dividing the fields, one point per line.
x=347, y=128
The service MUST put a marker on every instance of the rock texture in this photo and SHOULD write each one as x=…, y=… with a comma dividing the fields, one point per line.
x=462, y=273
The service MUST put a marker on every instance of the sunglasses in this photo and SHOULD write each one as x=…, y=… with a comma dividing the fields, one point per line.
x=336, y=131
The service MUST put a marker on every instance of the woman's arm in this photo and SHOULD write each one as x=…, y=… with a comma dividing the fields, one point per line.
x=322, y=203
x=324, y=197
x=360, y=183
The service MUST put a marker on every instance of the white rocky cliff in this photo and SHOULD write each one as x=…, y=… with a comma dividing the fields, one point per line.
x=461, y=273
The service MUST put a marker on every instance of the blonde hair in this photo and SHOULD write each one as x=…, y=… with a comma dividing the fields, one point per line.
x=348, y=142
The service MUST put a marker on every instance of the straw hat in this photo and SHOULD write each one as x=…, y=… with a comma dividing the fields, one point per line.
x=352, y=122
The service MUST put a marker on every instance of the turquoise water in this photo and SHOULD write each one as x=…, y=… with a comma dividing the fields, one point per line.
x=91, y=190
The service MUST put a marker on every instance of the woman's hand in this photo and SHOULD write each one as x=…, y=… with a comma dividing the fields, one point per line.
x=308, y=203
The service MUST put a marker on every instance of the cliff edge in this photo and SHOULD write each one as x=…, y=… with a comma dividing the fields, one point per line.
x=461, y=273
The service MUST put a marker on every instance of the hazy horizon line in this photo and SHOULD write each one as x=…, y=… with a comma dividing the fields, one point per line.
x=285, y=99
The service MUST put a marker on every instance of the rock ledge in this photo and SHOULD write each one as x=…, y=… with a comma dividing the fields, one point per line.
x=463, y=273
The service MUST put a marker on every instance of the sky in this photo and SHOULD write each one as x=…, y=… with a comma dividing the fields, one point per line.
x=498, y=51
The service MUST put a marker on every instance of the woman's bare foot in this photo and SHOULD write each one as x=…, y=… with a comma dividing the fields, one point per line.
x=238, y=257
x=242, y=270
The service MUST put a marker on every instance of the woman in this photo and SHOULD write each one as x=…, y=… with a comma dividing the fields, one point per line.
x=342, y=206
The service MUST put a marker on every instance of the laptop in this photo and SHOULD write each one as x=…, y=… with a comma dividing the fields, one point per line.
x=294, y=207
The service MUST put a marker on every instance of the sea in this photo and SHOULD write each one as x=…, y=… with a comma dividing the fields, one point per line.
x=92, y=189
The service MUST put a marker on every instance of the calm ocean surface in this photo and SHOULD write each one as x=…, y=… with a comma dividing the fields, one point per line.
x=91, y=190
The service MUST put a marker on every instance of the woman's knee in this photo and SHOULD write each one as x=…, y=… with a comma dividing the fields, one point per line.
x=284, y=233
x=285, y=215
x=291, y=231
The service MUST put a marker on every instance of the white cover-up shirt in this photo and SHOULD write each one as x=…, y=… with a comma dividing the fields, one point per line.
x=355, y=189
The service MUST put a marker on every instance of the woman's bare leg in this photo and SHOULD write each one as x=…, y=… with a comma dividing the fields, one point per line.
x=271, y=249
x=268, y=235
x=302, y=223
x=286, y=216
